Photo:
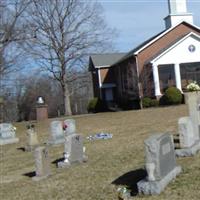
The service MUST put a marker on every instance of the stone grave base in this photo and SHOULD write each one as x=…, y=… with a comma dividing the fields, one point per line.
x=63, y=164
x=56, y=142
x=9, y=141
x=156, y=187
x=39, y=178
x=191, y=151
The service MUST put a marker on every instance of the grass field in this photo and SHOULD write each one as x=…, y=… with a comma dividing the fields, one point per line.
x=113, y=162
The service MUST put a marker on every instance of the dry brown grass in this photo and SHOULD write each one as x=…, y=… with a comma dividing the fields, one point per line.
x=108, y=159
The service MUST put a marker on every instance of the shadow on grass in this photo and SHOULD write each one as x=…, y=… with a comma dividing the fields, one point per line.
x=21, y=148
x=57, y=160
x=30, y=174
x=130, y=180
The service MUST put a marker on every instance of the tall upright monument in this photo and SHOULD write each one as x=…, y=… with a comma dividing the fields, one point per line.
x=41, y=109
x=177, y=13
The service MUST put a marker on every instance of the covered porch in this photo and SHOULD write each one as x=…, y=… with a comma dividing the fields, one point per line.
x=178, y=65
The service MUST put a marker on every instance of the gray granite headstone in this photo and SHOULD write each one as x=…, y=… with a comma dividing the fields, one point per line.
x=42, y=163
x=74, y=150
x=160, y=164
x=7, y=134
x=56, y=133
x=69, y=127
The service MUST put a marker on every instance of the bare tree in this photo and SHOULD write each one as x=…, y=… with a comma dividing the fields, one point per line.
x=66, y=31
x=28, y=88
x=12, y=32
x=81, y=92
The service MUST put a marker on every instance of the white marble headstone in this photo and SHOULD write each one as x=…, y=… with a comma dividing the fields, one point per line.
x=193, y=102
x=7, y=130
x=186, y=132
x=7, y=134
x=69, y=127
x=56, y=132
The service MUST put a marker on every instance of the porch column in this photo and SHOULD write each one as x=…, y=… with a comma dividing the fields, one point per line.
x=156, y=80
x=178, y=76
x=100, y=83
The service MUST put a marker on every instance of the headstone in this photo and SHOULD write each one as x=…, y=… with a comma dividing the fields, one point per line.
x=32, y=138
x=74, y=151
x=160, y=164
x=69, y=127
x=56, y=133
x=189, y=127
x=42, y=163
x=186, y=132
x=7, y=134
x=193, y=102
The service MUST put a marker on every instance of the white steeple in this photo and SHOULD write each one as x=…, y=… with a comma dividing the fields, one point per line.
x=177, y=13
x=177, y=6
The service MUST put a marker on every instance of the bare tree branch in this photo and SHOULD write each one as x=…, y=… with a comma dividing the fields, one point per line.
x=12, y=32
x=67, y=31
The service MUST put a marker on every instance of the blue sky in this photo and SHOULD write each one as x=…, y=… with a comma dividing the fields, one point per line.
x=138, y=20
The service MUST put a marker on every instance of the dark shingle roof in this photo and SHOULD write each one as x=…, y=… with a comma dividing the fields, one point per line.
x=115, y=58
x=167, y=47
x=101, y=60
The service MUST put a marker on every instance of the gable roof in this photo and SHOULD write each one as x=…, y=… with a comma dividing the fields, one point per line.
x=151, y=40
x=162, y=34
x=130, y=53
x=105, y=60
x=172, y=45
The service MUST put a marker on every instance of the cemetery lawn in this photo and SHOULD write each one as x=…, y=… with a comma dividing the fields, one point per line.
x=113, y=162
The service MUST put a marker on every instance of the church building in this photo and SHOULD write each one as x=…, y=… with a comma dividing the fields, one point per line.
x=170, y=58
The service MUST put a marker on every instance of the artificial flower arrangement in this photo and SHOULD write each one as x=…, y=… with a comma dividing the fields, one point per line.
x=123, y=193
x=193, y=87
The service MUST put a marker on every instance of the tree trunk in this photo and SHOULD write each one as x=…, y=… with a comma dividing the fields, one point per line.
x=66, y=98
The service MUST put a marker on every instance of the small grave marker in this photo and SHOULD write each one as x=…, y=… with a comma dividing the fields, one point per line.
x=42, y=163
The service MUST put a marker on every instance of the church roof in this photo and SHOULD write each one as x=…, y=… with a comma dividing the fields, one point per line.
x=167, y=47
x=111, y=59
x=171, y=45
x=132, y=52
x=151, y=40
x=105, y=60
